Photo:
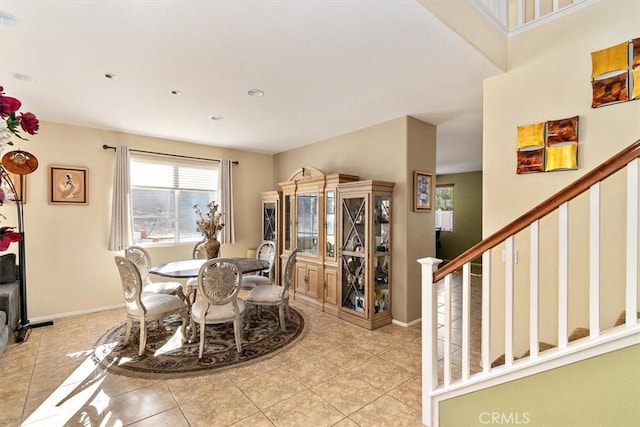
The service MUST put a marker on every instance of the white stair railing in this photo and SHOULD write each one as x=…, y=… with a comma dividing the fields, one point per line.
x=435, y=389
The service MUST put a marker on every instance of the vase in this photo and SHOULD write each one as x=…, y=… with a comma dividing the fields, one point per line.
x=212, y=247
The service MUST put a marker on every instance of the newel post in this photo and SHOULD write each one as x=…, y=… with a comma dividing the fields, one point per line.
x=429, y=338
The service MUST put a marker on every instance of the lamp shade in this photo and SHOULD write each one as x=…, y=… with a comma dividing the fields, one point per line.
x=20, y=162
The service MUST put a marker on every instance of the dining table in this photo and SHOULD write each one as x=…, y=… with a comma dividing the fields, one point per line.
x=189, y=268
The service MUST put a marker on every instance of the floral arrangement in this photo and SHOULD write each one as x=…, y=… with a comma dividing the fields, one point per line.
x=8, y=236
x=210, y=223
x=10, y=120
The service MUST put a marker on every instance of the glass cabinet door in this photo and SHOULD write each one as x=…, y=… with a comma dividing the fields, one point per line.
x=287, y=222
x=382, y=259
x=331, y=224
x=353, y=247
x=269, y=221
x=307, y=227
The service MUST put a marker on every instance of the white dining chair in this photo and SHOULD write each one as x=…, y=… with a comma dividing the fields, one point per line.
x=266, y=251
x=141, y=258
x=218, y=283
x=146, y=307
x=276, y=295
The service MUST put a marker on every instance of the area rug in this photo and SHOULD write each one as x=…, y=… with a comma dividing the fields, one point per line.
x=166, y=356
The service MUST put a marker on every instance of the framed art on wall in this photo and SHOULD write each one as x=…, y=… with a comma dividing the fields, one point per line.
x=422, y=191
x=68, y=185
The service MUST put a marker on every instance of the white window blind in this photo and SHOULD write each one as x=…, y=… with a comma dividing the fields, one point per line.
x=163, y=193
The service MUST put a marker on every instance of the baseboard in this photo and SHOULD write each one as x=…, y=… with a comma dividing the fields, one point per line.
x=74, y=313
x=407, y=325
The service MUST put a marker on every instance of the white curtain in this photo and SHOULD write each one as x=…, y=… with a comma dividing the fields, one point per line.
x=226, y=201
x=120, y=237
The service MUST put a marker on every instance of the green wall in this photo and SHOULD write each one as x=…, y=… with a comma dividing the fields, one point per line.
x=598, y=392
x=467, y=213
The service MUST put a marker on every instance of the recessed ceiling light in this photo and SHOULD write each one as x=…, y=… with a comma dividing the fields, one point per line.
x=23, y=77
x=216, y=118
x=6, y=19
x=176, y=92
x=255, y=92
x=110, y=76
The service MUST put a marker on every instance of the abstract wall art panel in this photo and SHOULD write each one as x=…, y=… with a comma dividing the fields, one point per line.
x=614, y=58
x=563, y=130
x=610, y=90
x=530, y=161
x=636, y=83
x=561, y=157
x=635, y=62
x=531, y=135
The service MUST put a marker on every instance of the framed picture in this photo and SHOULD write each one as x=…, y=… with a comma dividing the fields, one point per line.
x=68, y=185
x=20, y=184
x=422, y=191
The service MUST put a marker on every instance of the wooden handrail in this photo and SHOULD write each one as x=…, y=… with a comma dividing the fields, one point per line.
x=573, y=190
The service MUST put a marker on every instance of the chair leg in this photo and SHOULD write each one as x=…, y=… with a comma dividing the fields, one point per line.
x=202, y=334
x=185, y=318
x=283, y=325
x=143, y=336
x=236, y=331
x=127, y=334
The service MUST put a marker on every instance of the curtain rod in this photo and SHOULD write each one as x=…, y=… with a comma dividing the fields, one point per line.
x=109, y=147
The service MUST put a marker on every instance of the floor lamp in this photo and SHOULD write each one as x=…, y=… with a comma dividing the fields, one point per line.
x=20, y=163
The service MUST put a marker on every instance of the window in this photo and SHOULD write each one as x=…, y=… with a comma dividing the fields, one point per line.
x=444, y=207
x=163, y=193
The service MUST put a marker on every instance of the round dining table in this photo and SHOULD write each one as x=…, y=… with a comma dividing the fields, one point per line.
x=189, y=268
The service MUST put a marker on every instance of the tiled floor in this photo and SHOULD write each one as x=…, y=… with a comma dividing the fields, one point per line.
x=339, y=374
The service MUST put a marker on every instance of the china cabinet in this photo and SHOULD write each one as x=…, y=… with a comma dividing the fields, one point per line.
x=309, y=224
x=364, y=272
x=271, y=219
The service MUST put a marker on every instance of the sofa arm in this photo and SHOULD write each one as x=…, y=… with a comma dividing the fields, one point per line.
x=10, y=303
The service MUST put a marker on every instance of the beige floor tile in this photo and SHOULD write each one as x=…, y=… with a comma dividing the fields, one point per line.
x=114, y=385
x=410, y=393
x=270, y=388
x=304, y=409
x=347, y=356
x=346, y=422
x=252, y=370
x=171, y=418
x=141, y=403
x=222, y=407
x=382, y=373
x=387, y=412
x=312, y=370
x=410, y=360
x=297, y=352
x=347, y=393
x=11, y=410
x=255, y=420
x=186, y=389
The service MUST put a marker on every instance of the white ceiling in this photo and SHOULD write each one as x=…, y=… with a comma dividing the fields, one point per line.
x=326, y=68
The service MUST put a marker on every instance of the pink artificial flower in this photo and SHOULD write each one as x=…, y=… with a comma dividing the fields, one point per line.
x=7, y=236
x=30, y=124
x=8, y=104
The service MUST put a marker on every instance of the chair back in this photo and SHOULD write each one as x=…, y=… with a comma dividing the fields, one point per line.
x=290, y=266
x=198, y=250
x=219, y=281
x=141, y=259
x=267, y=252
x=131, y=282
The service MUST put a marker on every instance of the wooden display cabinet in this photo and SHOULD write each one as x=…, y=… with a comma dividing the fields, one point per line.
x=364, y=274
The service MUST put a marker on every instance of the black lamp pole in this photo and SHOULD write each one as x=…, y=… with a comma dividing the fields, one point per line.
x=22, y=332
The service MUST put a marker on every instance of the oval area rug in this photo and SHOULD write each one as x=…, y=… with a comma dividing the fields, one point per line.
x=165, y=355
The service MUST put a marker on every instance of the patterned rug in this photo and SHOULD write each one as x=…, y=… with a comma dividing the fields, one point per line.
x=166, y=357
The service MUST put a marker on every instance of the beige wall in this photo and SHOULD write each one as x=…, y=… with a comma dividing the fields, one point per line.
x=69, y=269
x=549, y=78
x=388, y=151
x=467, y=214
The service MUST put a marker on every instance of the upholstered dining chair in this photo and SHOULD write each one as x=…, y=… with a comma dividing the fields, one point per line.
x=191, y=287
x=142, y=260
x=146, y=307
x=277, y=295
x=266, y=251
x=218, y=283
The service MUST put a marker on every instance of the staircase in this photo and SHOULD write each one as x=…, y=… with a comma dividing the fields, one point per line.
x=499, y=336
